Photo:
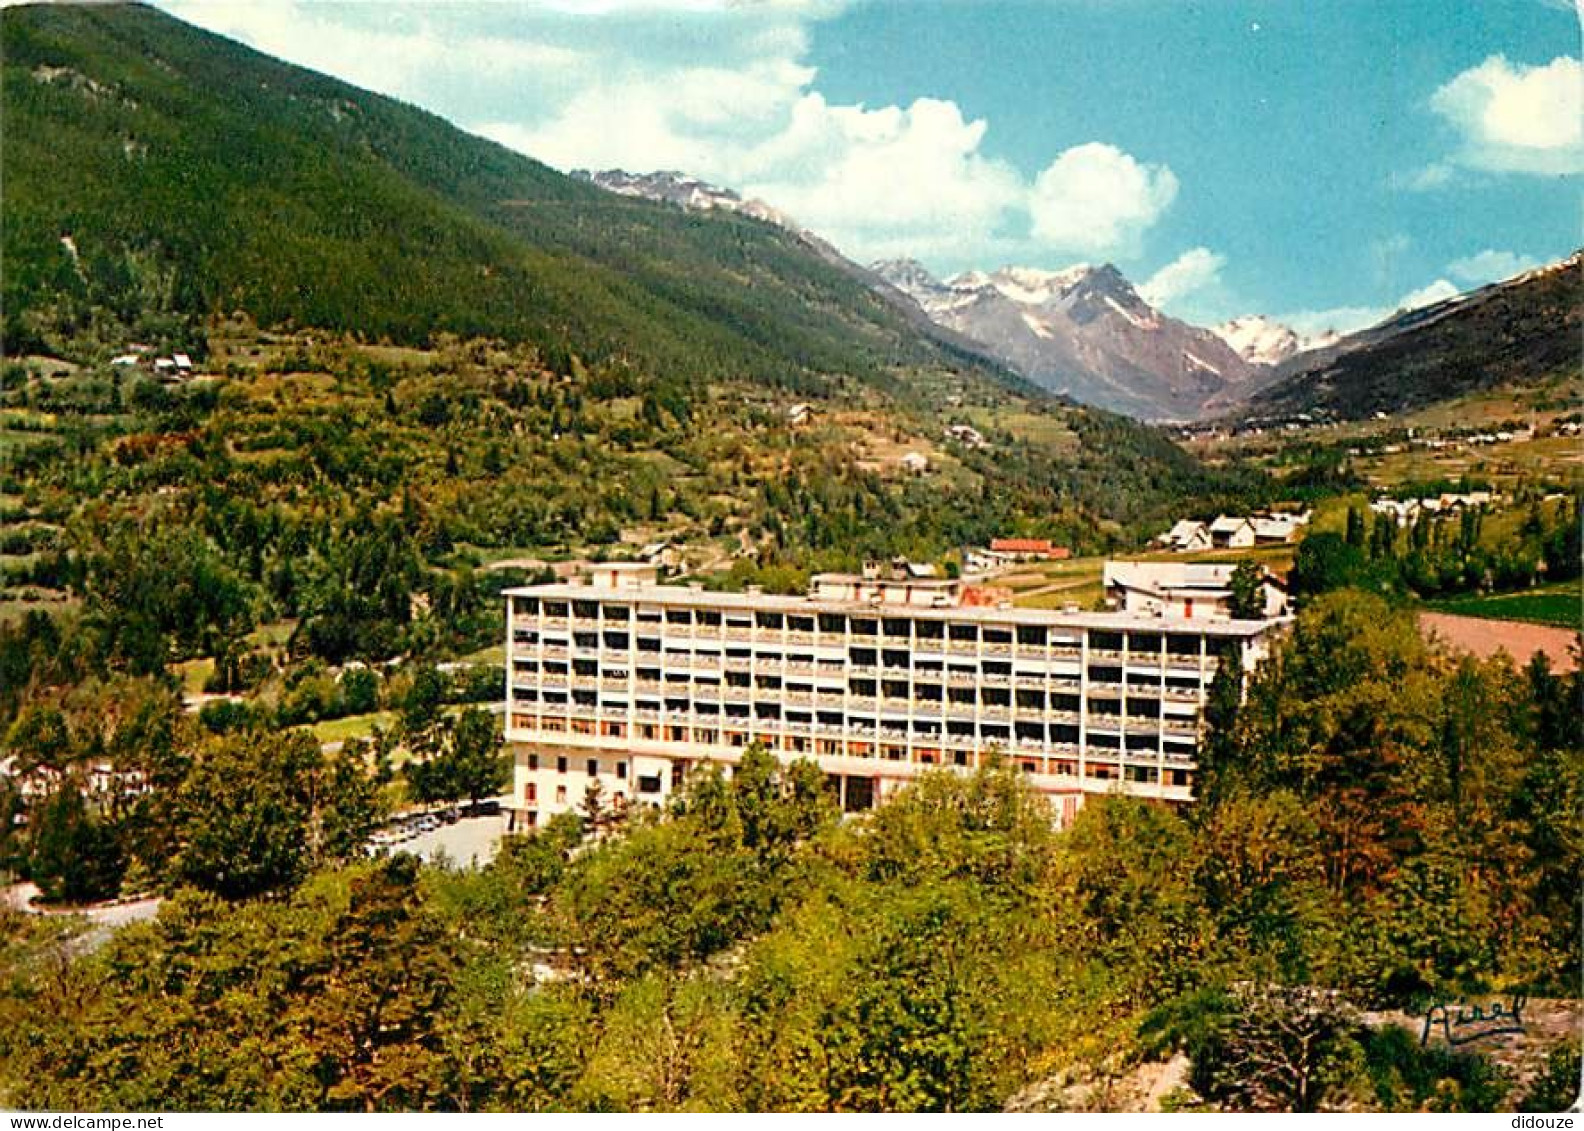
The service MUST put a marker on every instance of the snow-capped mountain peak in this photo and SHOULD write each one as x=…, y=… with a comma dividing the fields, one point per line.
x=1033, y=286
x=687, y=192
x=1265, y=341
x=1082, y=330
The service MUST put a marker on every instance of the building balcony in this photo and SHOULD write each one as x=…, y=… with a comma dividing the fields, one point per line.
x=1096, y=654
x=1066, y=652
x=800, y=637
x=554, y=651
x=995, y=679
x=1180, y=695
x=1109, y=690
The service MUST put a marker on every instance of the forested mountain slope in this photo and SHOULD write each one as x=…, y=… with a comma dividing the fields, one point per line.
x=156, y=174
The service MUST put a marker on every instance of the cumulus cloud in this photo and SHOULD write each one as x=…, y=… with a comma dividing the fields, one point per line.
x=1191, y=273
x=1095, y=199
x=885, y=181
x=1516, y=118
x=1490, y=265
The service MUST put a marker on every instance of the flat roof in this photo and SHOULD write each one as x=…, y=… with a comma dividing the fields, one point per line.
x=1049, y=618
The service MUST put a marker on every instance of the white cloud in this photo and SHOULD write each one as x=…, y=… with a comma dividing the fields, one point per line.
x=1192, y=272
x=1334, y=320
x=1095, y=199
x=1517, y=118
x=881, y=182
x=1349, y=319
x=1490, y=265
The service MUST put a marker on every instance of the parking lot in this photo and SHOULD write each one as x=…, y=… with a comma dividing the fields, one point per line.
x=464, y=841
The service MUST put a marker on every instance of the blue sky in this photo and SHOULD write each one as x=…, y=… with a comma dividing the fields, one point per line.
x=1322, y=161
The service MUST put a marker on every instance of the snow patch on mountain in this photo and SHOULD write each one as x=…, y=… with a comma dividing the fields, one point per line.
x=1033, y=323
x=1265, y=341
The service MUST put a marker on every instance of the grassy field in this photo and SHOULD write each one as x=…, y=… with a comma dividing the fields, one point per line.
x=14, y=608
x=272, y=635
x=1558, y=605
x=193, y=674
x=494, y=654
x=353, y=726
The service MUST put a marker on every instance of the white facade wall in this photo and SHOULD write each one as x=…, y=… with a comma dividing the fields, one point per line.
x=652, y=680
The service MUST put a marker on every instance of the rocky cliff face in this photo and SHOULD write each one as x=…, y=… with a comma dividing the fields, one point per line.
x=1083, y=331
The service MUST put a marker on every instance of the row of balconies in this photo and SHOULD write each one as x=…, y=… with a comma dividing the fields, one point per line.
x=834, y=698
x=1132, y=724
x=706, y=634
x=743, y=663
x=903, y=742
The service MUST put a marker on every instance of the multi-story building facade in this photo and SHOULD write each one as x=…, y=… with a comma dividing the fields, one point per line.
x=628, y=683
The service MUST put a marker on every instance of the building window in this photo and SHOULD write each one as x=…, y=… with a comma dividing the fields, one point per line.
x=560, y=765
x=533, y=761
x=530, y=793
x=593, y=767
x=649, y=784
x=560, y=795
x=621, y=770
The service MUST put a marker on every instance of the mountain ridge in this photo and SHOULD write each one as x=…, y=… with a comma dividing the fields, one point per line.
x=1083, y=331
x=1520, y=330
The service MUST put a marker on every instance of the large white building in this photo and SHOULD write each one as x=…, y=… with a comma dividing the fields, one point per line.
x=1185, y=590
x=628, y=683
